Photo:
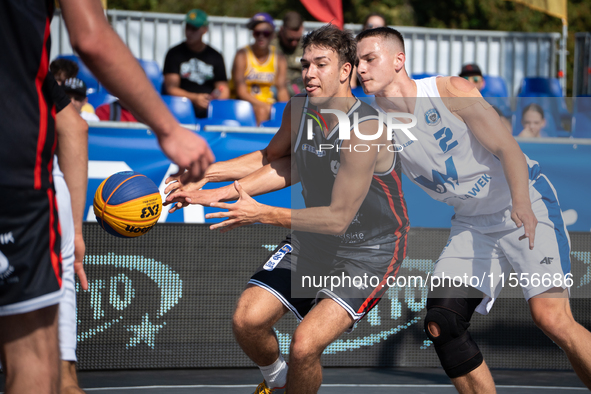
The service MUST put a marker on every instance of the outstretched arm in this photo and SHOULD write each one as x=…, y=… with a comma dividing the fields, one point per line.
x=263, y=171
x=485, y=124
x=349, y=190
x=110, y=60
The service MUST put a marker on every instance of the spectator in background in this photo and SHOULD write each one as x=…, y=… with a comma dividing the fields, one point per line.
x=472, y=73
x=374, y=20
x=533, y=121
x=76, y=90
x=195, y=70
x=287, y=41
x=259, y=67
x=115, y=112
x=63, y=69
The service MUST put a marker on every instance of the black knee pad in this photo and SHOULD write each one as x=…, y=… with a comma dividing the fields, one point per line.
x=457, y=351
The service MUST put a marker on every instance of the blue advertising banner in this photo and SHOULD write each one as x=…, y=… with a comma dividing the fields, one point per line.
x=121, y=149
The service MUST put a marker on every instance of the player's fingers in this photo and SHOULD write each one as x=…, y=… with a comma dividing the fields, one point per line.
x=179, y=173
x=530, y=230
x=82, y=276
x=171, y=187
x=221, y=224
x=219, y=215
x=221, y=205
x=516, y=219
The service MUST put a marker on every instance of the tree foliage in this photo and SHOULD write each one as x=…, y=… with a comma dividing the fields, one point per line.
x=450, y=14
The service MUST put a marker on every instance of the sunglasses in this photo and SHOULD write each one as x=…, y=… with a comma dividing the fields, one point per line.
x=262, y=33
x=474, y=79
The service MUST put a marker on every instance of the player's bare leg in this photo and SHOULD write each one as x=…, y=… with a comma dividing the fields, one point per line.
x=321, y=326
x=479, y=381
x=256, y=313
x=552, y=314
x=30, y=352
x=68, y=378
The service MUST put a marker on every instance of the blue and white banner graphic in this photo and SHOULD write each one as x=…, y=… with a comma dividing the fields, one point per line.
x=118, y=149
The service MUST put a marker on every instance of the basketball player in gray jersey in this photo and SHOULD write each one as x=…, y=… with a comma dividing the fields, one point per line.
x=354, y=222
x=462, y=143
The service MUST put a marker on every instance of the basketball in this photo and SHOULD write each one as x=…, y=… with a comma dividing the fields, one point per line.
x=127, y=204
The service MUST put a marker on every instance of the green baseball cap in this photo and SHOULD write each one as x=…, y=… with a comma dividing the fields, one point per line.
x=196, y=18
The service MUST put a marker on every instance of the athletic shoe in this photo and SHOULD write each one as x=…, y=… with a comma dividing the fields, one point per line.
x=263, y=389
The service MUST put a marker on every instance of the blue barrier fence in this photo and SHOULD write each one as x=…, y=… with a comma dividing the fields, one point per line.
x=119, y=147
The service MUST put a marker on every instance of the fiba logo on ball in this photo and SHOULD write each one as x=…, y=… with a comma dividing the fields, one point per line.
x=127, y=204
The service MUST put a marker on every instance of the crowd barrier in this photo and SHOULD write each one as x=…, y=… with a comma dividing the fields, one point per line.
x=511, y=55
x=165, y=300
x=117, y=147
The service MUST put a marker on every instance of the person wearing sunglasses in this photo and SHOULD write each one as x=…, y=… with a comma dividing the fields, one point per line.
x=472, y=73
x=259, y=67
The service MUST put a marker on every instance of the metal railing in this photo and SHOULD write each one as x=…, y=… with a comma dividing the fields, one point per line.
x=438, y=51
x=582, y=69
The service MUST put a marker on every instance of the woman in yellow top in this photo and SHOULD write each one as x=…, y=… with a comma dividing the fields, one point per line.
x=259, y=67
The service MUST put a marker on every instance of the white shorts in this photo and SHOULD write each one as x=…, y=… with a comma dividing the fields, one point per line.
x=67, y=308
x=483, y=250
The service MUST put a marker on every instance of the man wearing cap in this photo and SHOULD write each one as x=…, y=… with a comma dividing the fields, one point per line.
x=472, y=73
x=287, y=41
x=259, y=68
x=76, y=90
x=195, y=70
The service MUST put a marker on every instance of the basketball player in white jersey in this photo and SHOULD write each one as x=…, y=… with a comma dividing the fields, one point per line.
x=466, y=158
x=71, y=203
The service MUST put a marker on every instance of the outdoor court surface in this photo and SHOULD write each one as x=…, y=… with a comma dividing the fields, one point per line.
x=336, y=380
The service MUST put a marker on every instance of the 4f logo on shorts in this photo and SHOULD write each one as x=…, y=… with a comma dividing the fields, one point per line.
x=277, y=256
x=547, y=260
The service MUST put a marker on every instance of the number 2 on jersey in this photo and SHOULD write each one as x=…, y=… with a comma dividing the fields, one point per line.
x=447, y=135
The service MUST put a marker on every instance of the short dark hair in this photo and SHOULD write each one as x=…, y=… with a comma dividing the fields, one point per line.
x=330, y=37
x=65, y=66
x=292, y=20
x=383, y=32
x=533, y=107
x=373, y=14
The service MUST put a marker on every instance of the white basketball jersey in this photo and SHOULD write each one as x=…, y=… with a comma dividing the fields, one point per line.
x=449, y=163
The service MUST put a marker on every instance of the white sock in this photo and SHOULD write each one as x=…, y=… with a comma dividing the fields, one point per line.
x=275, y=374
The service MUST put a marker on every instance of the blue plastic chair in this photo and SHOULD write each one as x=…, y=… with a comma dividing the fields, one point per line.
x=494, y=87
x=423, y=76
x=276, y=115
x=582, y=117
x=152, y=72
x=84, y=74
x=540, y=87
x=181, y=108
x=97, y=99
x=238, y=110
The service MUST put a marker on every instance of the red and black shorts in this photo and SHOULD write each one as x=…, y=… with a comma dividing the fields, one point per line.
x=30, y=259
x=300, y=273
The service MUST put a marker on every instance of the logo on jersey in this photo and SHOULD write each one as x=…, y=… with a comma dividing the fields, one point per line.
x=277, y=257
x=440, y=180
x=432, y=117
x=6, y=238
x=311, y=149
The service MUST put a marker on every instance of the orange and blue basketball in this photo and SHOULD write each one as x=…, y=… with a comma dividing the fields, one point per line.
x=127, y=204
